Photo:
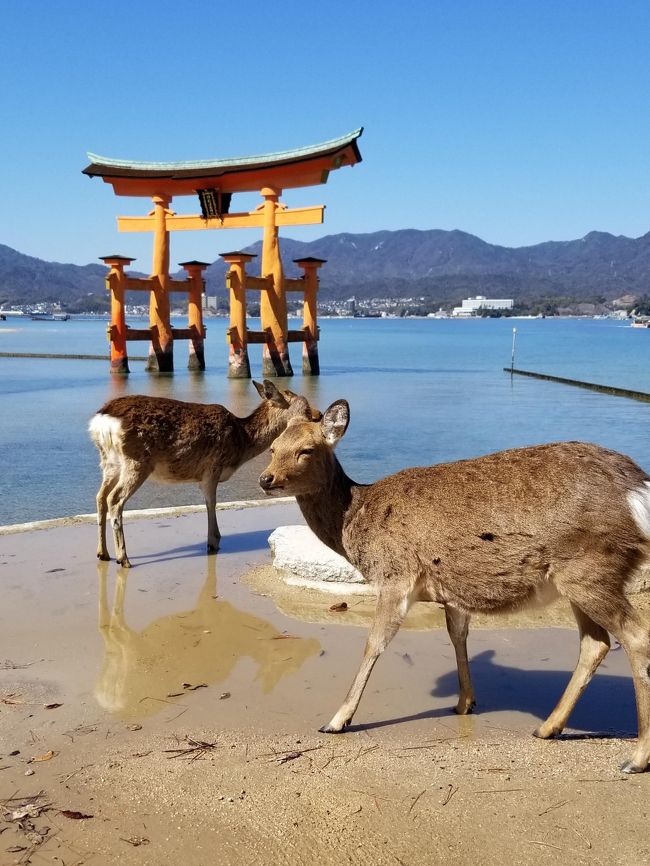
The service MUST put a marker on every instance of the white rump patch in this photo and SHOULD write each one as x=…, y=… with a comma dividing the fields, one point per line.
x=106, y=433
x=639, y=501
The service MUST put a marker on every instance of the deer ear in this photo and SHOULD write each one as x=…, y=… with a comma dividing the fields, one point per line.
x=299, y=408
x=268, y=391
x=335, y=421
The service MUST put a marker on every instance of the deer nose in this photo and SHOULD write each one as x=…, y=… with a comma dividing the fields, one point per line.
x=266, y=481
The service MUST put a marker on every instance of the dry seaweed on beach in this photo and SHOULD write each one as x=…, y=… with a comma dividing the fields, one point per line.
x=194, y=750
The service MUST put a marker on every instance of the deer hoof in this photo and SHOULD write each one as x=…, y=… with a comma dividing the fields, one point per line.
x=465, y=709
x=543, y=734
x=103, y=557
x=124, y=563
x=629, y=767
x=213, y=548
x=329, y=729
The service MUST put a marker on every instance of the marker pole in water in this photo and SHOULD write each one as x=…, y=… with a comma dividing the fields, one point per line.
x=512, y=360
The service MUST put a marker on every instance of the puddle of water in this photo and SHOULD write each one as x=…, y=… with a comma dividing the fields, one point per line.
x=180, y=651
x=110, y=644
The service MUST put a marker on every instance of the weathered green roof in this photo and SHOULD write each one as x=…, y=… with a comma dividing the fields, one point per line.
x=107, y=166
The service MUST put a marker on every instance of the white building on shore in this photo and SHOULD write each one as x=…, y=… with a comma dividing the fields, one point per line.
x=473, y=306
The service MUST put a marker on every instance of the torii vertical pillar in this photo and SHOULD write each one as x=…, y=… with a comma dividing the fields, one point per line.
x=310, y=362
x=238, y=364
x=116, y=283
x=196, y=357
x=273, y=306
x=161, y=350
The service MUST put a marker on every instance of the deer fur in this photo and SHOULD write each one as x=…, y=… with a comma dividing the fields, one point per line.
x=142, y=437
x=490, y=534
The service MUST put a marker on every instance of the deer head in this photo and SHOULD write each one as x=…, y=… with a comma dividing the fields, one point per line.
x=302, y=457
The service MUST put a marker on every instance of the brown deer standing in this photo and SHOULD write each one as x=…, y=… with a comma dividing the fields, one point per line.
x=490, y=534
x=139, y=437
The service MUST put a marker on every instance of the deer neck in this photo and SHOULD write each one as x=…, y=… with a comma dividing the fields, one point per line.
x=262, y=426
x=327, y=510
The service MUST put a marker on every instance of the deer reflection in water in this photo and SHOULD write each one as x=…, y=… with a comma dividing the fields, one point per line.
x=202, y=645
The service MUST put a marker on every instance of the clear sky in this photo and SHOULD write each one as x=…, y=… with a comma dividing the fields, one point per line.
x=519, y=121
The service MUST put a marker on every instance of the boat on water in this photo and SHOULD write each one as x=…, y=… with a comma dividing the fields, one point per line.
x=641, y=322
x=50, y=317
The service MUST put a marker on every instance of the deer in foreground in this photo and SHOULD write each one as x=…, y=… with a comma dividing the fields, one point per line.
x=490, y=534
x=142, y=437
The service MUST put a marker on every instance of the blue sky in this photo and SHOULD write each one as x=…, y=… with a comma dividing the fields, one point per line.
x=514, y=120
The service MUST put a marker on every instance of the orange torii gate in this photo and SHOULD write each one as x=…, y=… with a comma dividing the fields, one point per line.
x=215, y=182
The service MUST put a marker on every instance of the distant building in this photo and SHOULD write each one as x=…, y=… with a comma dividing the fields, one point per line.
x=471, y=306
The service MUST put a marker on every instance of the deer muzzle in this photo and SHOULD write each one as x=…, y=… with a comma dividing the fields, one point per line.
x=267, y=483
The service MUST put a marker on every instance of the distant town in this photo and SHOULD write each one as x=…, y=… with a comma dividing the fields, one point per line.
x=479, y=306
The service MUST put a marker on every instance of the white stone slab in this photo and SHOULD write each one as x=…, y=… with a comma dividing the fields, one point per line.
x=299, y=552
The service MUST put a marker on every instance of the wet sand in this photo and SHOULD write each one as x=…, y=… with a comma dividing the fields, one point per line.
x=105, y=672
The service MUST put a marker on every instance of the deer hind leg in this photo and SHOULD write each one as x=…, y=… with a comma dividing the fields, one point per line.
x=594, y=646
x=110, y=477
x=209, y=490
x=457, y=626
x=613, y=611
x=636, y=641
x=132, y=476
x=392, y=607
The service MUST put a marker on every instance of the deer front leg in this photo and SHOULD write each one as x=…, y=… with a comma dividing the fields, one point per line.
x=457, y=626
x=209, y=489
x=392, y=607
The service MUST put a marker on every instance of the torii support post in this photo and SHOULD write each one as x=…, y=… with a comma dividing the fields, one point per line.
x=310, y=362
x=161, y=350
x=238, y=364
x=196, y=357
x=273, y=306
x=116, y=283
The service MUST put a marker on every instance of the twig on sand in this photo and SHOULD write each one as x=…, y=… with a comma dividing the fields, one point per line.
x=362, y=752
x=25, y=799
x=194, y=750
x=451, y=790
x=74, y=772
x=500, y=791
x=622, y=779
x=579, y=835
x=277, y=756
x=8, y=665
x=415, y=799
x=557, y=847
x=545, y=844
x=554, y=806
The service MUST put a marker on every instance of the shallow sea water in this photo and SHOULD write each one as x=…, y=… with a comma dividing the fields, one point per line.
x=420, y=391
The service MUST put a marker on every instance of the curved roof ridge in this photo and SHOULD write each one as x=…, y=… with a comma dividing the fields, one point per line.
x=278, y=156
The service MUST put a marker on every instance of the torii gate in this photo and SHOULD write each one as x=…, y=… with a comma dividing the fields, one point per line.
x=215, y=182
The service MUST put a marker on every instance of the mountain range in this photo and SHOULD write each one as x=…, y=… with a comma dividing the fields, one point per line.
x=440, y=266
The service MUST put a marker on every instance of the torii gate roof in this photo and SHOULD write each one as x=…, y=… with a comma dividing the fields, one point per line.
x=288, y=169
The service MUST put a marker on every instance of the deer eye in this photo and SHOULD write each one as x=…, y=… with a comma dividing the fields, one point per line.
x=305, y=452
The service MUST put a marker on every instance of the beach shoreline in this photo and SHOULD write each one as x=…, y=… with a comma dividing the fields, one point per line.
x=178, y=704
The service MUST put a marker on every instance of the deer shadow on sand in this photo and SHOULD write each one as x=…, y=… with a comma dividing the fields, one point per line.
x=606, y=709
x=238, y=542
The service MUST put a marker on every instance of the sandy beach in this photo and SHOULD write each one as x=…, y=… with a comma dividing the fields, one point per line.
x=169, y=714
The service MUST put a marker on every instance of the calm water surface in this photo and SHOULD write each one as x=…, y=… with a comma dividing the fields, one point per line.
x=421, y=391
